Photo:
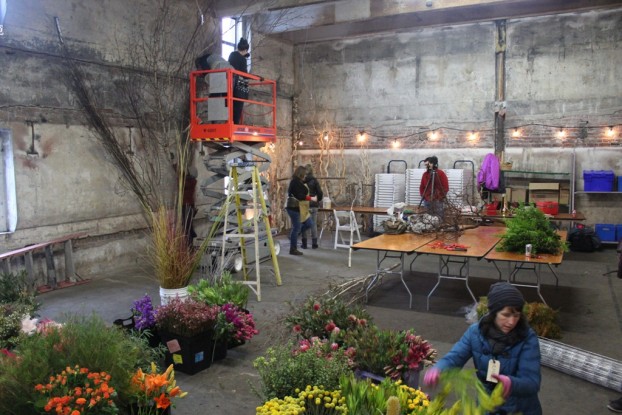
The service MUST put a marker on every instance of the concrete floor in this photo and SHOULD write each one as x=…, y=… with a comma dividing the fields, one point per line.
x=588, y=302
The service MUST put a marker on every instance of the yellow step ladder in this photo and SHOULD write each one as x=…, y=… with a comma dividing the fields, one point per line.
x=255, y=203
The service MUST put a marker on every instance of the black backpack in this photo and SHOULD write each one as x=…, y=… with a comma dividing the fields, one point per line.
x=583, y=239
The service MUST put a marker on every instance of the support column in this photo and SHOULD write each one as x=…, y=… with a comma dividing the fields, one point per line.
x=500, y=88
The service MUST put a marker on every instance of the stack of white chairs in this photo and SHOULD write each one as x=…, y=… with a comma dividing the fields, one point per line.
x=390, y=188
x=413, y=181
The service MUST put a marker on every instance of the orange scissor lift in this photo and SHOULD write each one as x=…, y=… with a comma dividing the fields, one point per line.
x=211, y=108
x=236, y=165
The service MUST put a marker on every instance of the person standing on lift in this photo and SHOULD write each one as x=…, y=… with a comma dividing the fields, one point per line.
x=433, y=187
x=237, y=59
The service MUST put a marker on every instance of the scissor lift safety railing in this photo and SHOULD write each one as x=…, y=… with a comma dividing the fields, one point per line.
x=211, y=107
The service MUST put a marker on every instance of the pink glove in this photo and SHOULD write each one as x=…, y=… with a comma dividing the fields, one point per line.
x=431, y=376
x=507, y=384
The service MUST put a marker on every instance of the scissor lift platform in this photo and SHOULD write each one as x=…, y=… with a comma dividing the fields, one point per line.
x=211, y=107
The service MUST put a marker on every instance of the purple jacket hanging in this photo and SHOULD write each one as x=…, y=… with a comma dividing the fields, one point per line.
x=489, y=172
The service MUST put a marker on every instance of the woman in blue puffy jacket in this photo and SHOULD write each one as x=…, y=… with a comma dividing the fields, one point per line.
x=502, y=336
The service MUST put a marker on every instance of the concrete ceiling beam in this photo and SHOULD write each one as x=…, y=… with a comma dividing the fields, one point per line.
x=318, y=20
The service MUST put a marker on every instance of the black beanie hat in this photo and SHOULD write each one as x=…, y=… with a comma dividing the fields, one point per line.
x=243, y=44
x=504, y=294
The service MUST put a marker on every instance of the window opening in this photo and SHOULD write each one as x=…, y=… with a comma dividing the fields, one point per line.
x=232, y=29
x=8, y=200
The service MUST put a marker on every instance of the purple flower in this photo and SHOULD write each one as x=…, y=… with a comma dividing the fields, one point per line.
x=144, y=316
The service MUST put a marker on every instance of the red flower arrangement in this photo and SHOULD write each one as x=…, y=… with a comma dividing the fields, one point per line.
x=76, y=391
x=412, y=352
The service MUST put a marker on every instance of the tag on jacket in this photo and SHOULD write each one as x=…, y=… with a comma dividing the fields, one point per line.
x=493, y=369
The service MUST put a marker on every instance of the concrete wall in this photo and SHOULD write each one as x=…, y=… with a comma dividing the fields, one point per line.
x=70, y=184
x=561, y=71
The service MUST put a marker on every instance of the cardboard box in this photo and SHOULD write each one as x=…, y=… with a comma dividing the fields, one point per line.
x=543, y=186
x=519, y=195
x=564, y=196
x=536, y=196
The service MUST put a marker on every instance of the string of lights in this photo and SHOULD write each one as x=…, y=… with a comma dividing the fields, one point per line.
x=427, y=133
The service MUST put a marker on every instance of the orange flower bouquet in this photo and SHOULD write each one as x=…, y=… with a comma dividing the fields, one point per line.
x=76, y=391
x=153, y=391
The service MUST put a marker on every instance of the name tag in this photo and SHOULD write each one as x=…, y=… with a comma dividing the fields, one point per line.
x=493, y=369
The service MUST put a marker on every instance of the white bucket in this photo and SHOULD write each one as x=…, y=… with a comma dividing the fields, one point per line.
x=167, y=294
x=326, y=203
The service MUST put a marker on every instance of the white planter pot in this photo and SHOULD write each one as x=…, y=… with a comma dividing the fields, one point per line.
x=167, y=294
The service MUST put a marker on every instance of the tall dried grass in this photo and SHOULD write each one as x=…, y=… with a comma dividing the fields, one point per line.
x=174, y=261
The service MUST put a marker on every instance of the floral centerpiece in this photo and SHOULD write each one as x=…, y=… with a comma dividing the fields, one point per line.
x=78, y=391
x=153, y=392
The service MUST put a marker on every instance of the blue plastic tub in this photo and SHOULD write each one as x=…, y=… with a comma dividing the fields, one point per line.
x=618, y=232
x=606, y=231
x=598, y=180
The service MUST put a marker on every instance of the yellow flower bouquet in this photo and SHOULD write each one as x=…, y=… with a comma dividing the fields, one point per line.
x=154, y=391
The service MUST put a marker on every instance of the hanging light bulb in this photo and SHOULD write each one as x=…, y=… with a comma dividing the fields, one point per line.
x=472, y=136
x=396, y=144
x=433, y=135
x=325, y=135
x=516, y=133
x=561, y=133
x=300, y=143
x=610, y=132
x=361, y=136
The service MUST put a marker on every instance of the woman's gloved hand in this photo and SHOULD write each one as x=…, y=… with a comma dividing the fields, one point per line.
x=432, y=376
x=507, y=384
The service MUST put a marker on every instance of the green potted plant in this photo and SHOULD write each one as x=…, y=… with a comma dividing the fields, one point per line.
x=223, y=291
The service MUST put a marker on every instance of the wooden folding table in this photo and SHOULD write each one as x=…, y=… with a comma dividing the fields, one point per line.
x=533, y=263
x=392, y=246
x=478, y=242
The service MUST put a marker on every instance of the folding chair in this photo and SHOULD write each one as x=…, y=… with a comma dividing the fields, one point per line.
x=345, y=221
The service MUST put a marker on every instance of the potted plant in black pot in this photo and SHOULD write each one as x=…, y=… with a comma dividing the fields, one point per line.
x=186, y=327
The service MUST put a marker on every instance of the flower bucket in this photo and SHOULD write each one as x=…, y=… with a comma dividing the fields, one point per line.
x=411, y=378
x=167, y=294
x=188, y=355
x=362, y=374
x=219, y=352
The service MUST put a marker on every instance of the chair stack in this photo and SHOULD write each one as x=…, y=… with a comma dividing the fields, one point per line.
x=390, y=188
x=460, y=186
x=413, y=180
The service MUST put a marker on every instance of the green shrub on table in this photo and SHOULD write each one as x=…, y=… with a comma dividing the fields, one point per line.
x=528, y=225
